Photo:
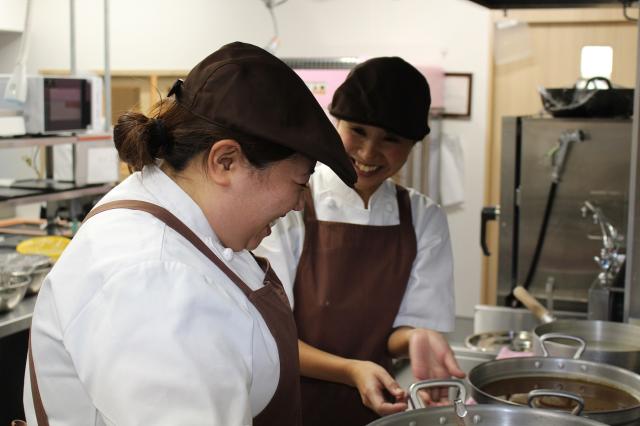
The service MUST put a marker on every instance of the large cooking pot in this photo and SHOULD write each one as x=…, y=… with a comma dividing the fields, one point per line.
x=611, y=394
x=588, y=102
x=489, y=415
x=608, y=342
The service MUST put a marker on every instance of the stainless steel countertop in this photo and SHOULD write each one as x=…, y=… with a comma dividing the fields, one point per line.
x=19, y=318
x=463, y=329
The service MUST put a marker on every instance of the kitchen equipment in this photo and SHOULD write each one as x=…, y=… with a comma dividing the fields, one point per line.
x=608, y=342
x=487, y=318
x=611, y=394
x=493, y=341
x=596, y=169
x=36, y=266
x=13, y=286
x=588, y=102
x=461, y=414
x=56, y=104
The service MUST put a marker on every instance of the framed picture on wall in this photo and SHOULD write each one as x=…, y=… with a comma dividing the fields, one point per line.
x=457, y=95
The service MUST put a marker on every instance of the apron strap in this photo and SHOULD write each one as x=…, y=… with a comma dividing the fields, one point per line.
x=309, y=210
x=41, y=415
x=404, y=206
x=177, y=225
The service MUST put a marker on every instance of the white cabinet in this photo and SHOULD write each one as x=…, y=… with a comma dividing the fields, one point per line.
x=12, y=14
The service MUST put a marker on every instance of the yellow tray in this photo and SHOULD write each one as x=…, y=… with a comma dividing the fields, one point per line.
x=51, y=246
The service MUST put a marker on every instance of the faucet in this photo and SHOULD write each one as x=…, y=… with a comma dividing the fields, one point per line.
x=611, y=257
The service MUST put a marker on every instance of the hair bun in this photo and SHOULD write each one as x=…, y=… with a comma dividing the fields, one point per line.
x=159, y=138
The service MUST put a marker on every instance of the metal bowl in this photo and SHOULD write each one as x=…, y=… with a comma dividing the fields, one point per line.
x=37, y=277
x=492, y=342
x=13, y=287
x=37, y=266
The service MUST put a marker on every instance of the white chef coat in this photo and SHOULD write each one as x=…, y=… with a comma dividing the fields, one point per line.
x=428, y=301
x=134, y=326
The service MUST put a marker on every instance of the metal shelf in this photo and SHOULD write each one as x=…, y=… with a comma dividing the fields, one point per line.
x=68, y=194
x=23, y=142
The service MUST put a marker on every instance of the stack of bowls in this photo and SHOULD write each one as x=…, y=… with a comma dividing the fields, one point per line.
x=20, y=275
x=13, y=286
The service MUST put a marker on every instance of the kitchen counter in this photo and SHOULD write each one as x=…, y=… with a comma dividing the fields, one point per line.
x=18, y=319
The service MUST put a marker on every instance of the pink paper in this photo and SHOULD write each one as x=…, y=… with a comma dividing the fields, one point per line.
x=505, y=352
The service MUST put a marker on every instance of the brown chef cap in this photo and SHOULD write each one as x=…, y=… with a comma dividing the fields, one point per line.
x=253, y=94
x=388, y=93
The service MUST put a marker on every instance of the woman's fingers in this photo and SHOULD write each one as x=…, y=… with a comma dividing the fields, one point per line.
x=375, y=400
x=387, y=408
x=378, y=390
x=453, y=367
x=392, y=386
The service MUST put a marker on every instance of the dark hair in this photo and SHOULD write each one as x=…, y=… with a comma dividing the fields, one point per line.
x=176, y=136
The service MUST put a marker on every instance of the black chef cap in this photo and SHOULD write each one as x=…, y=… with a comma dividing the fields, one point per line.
x=253, y=94
x=385, y=92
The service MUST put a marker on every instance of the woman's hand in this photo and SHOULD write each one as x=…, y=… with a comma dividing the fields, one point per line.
x=373, y=382
x=432, y=358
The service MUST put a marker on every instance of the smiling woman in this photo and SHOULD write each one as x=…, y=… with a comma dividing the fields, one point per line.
x=368, y=268
x=376, y=153
x=157, y=295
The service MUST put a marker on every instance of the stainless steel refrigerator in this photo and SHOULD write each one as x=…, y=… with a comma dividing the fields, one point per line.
x=567, y=169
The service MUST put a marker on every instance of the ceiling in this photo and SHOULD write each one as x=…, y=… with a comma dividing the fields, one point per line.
x=529, y=4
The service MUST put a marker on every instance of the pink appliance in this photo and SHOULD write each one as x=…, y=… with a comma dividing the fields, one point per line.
x=324, y=75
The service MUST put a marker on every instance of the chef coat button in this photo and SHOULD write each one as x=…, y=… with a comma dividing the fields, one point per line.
x=227, y=254
x=331, y=203
x=389, y=207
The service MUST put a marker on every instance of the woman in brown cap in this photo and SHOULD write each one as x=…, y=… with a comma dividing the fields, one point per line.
x=369, y=268
x=157, y=313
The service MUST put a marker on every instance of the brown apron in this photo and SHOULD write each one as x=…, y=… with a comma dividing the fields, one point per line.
x=348, y=289
x=270, y=300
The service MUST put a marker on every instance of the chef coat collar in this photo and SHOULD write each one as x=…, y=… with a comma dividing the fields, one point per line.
x=170, y=196
x=336, y=186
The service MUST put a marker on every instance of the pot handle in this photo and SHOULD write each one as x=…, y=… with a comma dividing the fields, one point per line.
x=582, y=345
x=594, y=79
x=540, y=393
x=416, y=401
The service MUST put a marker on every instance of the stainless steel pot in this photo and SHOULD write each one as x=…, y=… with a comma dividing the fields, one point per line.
x=614, y=392
x=608, y=342
x=461, y=414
